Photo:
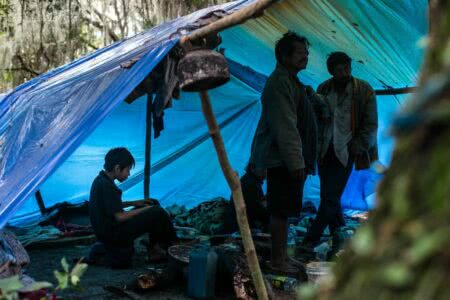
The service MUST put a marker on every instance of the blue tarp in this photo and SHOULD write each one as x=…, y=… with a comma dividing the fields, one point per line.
x=56, y=128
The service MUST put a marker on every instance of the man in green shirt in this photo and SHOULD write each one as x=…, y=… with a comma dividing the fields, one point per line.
x=285, y=143
x=348, y=139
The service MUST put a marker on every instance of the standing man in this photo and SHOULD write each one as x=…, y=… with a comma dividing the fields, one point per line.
x=350, y=137
x=285, y=143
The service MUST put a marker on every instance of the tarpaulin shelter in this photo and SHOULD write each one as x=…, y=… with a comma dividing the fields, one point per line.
x=56, y=128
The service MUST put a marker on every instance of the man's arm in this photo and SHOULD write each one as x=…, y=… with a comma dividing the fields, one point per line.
x=140, y=203
x=321, y=108
x=366, y=136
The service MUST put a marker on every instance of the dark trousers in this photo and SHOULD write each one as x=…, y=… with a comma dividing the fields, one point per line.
x=333, y=179
x=284, y=193
x=153, y=221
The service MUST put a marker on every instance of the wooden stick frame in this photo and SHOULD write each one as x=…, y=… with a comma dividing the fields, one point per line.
x=239, y=204
x=254, y=10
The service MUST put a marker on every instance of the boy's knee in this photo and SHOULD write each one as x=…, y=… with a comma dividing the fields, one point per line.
x=158, y=212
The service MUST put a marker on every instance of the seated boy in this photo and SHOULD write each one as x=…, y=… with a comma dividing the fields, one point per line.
x=117, y=229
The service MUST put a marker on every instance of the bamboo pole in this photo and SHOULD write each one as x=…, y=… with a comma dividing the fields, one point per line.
x=233, y=19
x=231, y=176
x=148, y=147
x=40, y=202
x=239, y=204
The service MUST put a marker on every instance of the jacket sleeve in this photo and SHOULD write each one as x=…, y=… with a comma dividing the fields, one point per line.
x=321, y=109
x=281, y=113
x=256, y=155
x=366, y=137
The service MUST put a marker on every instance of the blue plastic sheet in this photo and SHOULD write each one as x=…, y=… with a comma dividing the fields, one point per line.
x=44, y=120
x=56, y=128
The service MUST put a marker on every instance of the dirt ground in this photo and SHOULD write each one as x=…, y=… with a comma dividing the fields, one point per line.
x=45, y=261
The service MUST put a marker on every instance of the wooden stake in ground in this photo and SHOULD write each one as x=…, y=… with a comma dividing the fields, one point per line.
x=239, y=204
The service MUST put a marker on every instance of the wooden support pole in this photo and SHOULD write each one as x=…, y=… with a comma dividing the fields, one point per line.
x=239, y=204
x=238, y=17
x=40, y=202
x=148, y=147
x=397, y=91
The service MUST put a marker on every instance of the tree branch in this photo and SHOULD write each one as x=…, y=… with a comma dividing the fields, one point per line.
x=24, y=66
x=100, y=26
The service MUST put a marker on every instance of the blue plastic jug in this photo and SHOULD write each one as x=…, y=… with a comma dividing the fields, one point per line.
x=202, y=273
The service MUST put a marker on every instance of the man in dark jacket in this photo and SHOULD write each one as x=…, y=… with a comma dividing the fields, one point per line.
x=349, y=138
x=285, y=142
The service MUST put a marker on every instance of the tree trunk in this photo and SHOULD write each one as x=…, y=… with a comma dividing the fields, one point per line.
x=404, y=250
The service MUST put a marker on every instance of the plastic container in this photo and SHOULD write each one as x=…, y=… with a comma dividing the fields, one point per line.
x=322, y=251
x=291, y=248
x=284, y=283
x=202, y=273
x=317, y=270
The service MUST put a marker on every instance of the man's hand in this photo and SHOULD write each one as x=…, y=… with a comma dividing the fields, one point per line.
x=309, y=91
x=355, y=148
x=298, y=175
x=146, y=202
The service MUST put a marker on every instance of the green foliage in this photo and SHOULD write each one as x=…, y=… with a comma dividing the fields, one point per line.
x=5, y=7
x=147, y=24
x=363, y=241
x=68, y=278
x=198, y=3
x=7, y=76
x=307, y=291
x=396, y=274
x=9, y=287
x=427, y=245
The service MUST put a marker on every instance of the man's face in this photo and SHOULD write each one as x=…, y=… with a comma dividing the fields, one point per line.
x=342, y=73
x=122, y=174
x=298, y=60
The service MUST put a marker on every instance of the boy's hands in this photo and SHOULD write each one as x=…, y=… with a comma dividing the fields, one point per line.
x=146, y=202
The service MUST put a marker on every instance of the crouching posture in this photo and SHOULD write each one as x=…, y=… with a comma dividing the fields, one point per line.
x=117, y=229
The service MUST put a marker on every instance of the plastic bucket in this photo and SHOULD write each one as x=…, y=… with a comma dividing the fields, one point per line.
x=317, y=270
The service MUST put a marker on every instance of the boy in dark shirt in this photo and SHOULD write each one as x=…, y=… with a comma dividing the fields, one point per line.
x=117, y=229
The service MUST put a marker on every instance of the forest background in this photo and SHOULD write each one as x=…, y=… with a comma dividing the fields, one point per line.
x=39, y=35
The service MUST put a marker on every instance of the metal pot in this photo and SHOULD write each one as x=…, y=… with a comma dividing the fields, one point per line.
x=201, y=70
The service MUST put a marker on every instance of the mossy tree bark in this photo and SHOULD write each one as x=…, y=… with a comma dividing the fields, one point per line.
x=403, y=252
